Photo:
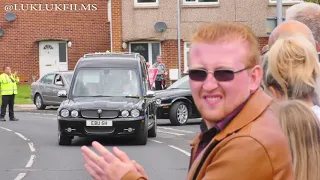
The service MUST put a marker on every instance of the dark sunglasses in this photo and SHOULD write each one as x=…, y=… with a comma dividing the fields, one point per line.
x=219, y=75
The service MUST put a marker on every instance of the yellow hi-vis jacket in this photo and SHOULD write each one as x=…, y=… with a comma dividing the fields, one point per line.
x=9, y=84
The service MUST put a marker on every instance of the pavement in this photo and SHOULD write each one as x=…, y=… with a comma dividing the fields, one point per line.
x=30, y=150
x=32, y=108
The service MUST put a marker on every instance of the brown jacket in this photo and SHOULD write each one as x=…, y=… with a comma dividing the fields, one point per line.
x=251, y=147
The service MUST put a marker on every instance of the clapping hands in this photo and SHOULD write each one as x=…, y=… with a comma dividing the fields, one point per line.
x=109, y=166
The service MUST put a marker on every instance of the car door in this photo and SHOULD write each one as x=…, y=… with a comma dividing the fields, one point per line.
x=45, y=87
x=58, y=85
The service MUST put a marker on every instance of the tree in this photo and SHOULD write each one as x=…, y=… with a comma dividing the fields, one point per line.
x=314, y=1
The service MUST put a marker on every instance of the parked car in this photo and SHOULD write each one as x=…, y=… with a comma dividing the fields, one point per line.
x=176, y=103
x=44, y=90
x=109, y=96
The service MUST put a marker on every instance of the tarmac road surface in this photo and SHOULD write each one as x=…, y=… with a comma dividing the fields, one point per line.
x=30, y=150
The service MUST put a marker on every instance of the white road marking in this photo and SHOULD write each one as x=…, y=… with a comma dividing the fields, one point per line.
x=20, y=176
x=31, y=160
x=179, y=130
x=181, y=150
x=32, y=149
x=6, y=129
x=22, y=136
x=166, y=132
x=156, y=141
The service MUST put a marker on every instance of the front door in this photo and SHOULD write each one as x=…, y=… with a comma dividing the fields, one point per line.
x=149, y=50
x=52, y=57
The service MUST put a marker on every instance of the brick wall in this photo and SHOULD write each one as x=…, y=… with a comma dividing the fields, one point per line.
x=263, y=41
x=117, y=25
x=87, y=30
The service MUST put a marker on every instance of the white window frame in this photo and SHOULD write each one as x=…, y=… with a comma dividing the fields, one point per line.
x=286, y=1
x=149, y=48
x=151, y=4
x=200, y=3
x=186, y=49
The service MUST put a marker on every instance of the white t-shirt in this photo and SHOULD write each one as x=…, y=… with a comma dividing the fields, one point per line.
x=316, y=110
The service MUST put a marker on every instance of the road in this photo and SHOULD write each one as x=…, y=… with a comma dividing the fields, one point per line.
x=29, y=150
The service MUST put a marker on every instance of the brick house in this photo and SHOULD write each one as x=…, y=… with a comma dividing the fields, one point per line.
x=53, y=36
x=139, y=19
x=50, y=36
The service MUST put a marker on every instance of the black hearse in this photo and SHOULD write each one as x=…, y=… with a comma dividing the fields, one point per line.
x=109, y=96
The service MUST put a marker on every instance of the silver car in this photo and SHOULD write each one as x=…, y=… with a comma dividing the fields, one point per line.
x=44, y=92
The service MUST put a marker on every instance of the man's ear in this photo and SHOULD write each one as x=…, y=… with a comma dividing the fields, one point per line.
x=256, y=78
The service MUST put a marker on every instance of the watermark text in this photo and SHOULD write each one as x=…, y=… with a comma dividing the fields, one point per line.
x=50, y=7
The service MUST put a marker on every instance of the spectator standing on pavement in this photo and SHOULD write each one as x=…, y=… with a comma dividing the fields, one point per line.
x=302, y=128
x=160, y=78
x=244, y=140
x=292, y=70
x=9, y=89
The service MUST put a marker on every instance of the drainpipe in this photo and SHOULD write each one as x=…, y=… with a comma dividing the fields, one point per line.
x=179, y=46
x=110, y=6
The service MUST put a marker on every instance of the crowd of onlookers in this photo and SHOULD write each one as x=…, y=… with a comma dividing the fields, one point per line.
x=261, y=113
x=291, y=73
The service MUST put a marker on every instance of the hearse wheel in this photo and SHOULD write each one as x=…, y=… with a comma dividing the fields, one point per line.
x=142, y=136
x=64, y=139
x=153, y=131
x=179, y=113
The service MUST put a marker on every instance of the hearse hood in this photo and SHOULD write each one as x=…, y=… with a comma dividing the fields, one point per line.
x=119, y=103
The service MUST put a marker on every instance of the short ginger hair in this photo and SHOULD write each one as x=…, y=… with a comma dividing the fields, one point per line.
x=228, y=32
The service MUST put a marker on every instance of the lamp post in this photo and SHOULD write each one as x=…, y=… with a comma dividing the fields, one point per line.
x=279, y=12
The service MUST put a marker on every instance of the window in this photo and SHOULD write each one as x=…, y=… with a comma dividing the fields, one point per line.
x=58, y=80
x=149, y=50
x=285, y=1
x=182, y=83
x=146, y=3
x=200, y=2
x=105, y=82
x=186, y=56
x=63, y=52
x=47, y=79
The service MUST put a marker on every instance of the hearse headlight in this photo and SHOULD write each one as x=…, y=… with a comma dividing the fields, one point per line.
x=64, y=112
x=125, y=113
x=74, y=113
x=135, y=113
x=158, y=101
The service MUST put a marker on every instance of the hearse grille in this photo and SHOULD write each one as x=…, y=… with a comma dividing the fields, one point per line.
x=104, y=114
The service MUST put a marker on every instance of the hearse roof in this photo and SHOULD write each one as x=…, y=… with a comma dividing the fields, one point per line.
x=110, y=60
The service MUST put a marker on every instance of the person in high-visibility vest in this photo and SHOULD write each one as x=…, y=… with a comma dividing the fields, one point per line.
x=9, y=89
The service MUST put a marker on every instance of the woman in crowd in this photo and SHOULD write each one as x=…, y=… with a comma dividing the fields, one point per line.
x=290, y=70
x=302, y=128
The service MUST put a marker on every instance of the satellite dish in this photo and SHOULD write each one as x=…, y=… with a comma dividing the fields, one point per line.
x=10, y=16
x=1, y=32
x=160, y=26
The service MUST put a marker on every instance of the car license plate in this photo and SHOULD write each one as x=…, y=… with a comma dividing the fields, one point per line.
x=98, y=123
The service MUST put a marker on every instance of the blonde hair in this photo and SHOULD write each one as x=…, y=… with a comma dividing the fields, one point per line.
x=293, y=67
x=302, y=129
x=226, y=32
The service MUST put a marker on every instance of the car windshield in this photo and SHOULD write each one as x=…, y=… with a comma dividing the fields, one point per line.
x=68, y=78
x=182, y=83
x=105, y=82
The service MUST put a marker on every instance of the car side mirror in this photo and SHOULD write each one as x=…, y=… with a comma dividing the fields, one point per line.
x=62, y=93
x=150, y=94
